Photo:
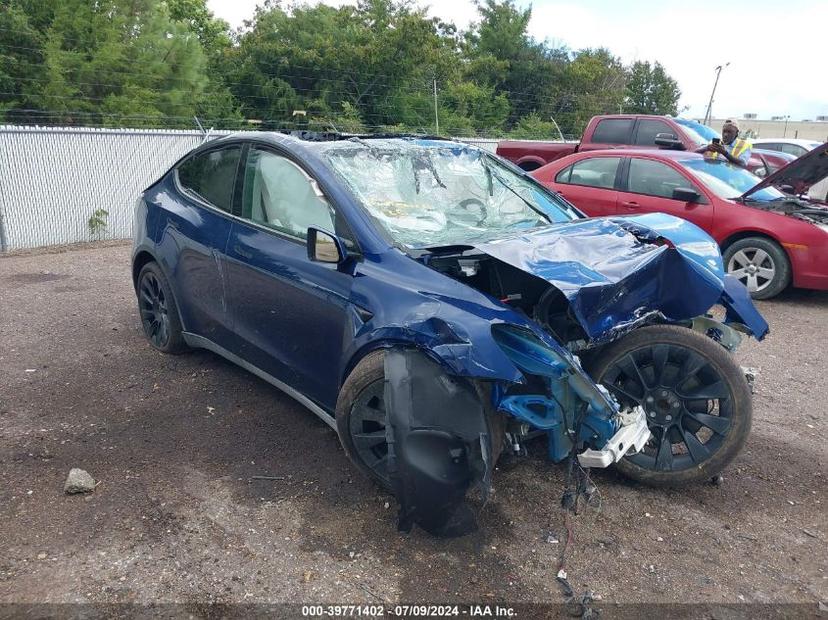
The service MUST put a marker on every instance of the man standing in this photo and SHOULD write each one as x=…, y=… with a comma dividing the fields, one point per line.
x=734, y=149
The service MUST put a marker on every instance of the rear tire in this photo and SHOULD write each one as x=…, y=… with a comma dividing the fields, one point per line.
x=158, y=310
x=662, y=368
x=760, y=264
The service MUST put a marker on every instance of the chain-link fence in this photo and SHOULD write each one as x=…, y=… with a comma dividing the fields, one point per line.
x=67, y=185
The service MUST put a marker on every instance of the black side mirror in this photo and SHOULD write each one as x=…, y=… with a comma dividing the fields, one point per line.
x=323, y=247
x=685, y=194
x=669, y=141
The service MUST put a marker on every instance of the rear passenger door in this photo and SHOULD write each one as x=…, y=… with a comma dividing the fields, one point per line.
x=192, y=237
x=647, y=187
x=590, y=184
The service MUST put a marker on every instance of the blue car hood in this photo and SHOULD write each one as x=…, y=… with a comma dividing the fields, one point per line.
x=619, y=272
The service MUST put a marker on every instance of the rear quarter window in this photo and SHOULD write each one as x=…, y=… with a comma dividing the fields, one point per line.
x=211, y=176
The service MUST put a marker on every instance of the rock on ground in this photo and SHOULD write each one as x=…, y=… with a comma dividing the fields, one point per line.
x=79, y=481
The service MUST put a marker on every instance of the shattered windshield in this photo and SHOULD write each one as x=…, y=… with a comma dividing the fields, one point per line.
x=430, y=193
x=728, y=181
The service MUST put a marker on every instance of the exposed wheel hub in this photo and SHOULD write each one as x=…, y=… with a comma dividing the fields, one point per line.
x=753, y=267
x=663, y=406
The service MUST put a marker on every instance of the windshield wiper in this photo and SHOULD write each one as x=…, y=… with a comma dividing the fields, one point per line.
x=511, y=189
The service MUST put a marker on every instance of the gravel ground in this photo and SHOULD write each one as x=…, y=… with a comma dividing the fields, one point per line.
x=178, y=517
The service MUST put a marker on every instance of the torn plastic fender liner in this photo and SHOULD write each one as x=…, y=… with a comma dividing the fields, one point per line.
x=439, y=443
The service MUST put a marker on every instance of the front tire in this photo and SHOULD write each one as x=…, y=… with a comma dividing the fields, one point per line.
x=760, y=264
x=361, y=419
x=696, y=398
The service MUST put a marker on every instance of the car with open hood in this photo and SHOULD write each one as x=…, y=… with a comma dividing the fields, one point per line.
x=436, y=306
x=771, y=235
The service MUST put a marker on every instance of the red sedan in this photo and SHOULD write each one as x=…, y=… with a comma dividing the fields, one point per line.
x=769, y=238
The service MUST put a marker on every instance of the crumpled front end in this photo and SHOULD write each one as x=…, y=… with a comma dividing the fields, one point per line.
x=619, y=273
x=475, y=369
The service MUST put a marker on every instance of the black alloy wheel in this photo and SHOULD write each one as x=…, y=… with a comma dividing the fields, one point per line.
x=695, y=397
x=159, y=313
x=367, y=431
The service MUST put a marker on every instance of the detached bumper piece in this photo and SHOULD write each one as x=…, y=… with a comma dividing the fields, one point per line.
x=439, y=444
x=633, y=434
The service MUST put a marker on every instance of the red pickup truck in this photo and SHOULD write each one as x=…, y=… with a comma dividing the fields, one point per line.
x=631, y=130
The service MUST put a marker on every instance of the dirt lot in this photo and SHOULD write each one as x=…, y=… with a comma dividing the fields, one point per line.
x=178, y=517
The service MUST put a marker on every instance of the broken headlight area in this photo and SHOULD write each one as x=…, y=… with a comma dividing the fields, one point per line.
x=561, y=401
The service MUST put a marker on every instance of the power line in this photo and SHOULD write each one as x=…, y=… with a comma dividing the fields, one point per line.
x=411, y=87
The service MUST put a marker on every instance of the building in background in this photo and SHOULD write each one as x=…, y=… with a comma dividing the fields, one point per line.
x=778, y=127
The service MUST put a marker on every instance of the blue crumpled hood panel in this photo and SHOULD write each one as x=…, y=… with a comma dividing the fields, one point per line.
x=615, y=273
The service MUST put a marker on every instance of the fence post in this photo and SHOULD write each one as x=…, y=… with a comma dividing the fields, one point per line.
x=4, y=241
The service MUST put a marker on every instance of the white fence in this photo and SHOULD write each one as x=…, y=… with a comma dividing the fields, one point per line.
x=54, y=179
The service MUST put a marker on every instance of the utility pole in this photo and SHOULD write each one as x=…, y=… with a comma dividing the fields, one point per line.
x=716, y=83
x=785, y=131
x=436, y=118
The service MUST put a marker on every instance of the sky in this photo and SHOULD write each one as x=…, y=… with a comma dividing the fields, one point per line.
x=773, y=47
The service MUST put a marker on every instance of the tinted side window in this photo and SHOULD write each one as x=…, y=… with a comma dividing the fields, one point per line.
x=648, y=129
x=278, y=194
x=613, y=131
x=654, y=178
x=792, y=149
x=769, y=146
x=593, y=172
x=211, y=176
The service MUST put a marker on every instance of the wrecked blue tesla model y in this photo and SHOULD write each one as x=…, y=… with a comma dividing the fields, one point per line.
x=436, y=306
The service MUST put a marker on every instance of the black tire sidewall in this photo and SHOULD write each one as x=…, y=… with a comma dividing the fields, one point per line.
x=727, y=369
x=175, y=341
x=371, y=369
x=780, y=259
x=368, y=371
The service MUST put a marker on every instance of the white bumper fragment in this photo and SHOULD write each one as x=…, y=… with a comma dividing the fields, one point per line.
x=633, y=434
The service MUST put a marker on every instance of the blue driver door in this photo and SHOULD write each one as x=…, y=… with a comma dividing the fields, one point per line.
x=291, y=314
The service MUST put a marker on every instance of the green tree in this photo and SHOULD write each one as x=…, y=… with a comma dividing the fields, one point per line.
x=650, y=90
x=108, y=62
x=533, y=127
x=380, y=57
x=20, y=61
x=215, y=103
x=594, y=83
x=503, y=56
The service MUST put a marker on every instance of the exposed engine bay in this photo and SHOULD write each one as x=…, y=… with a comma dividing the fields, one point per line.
x=532, y=296
x=794, y=207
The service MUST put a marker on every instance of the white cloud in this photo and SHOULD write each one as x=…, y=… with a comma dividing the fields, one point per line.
x=773, y=48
